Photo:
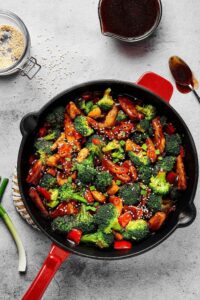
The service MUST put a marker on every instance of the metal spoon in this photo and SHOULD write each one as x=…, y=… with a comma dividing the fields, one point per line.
x=182, y=74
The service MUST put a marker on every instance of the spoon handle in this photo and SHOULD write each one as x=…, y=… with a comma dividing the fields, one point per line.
x=196, y=95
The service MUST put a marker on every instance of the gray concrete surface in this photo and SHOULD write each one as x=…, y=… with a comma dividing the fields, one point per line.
x=66, y=40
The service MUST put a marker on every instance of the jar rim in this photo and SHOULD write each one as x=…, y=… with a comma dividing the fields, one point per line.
x=10, y=15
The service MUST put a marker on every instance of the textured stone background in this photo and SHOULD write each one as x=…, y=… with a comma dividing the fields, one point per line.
x=66, y=40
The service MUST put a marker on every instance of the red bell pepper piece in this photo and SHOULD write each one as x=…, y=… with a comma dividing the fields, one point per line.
x=33, y=194
x=122, y=245
x=114, y=168
x=182, y=152
x=170, y=129
x=87, y=96
x=96, y=141
x=74, y=235
x=42, y=132
x=88, y=196
x=171, y=177
x=125, y=219
x=35, y=173
x=52, y=172
x=44, y=192
x=64, y=208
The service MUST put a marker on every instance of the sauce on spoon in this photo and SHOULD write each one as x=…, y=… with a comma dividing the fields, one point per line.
x=182, y=74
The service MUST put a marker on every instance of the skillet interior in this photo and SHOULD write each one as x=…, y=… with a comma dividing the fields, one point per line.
x=163, y=108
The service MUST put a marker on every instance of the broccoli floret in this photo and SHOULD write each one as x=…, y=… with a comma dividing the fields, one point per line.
x=166, y=164
x=139, y=137
x=88, y=161
x=136, y=230
x=86, y=106
x=98, y=238
x=130, y=193
x=154, y=203
x=173, y=143
x=139, y=158
x=56, y=117
x=43, y=149
x=121, y=116
x=86, y=172
x=113, y=145
x=48, y=181
x=145, y=173
x=159, y=184
x=52, y=135
x=118, y=155
x=106, y=218
x=82, y=126
x=83, y=221
x=44, y=146
x=107, y=101
x=148, y=110
x=54, y=198
x=63, y=224
x=95, y=150
x=143, y=125
x=102, y=181
x=67, y=192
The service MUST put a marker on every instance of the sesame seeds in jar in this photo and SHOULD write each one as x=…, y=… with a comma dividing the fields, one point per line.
x=12, y=45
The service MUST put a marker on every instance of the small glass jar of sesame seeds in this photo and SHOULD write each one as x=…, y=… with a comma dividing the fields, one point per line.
x=15, y=47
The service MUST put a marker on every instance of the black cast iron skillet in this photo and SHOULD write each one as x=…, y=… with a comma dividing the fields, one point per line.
x=183, y=216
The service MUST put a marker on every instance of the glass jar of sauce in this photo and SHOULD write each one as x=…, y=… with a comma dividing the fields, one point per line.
x=129, y=20
x=15, y=46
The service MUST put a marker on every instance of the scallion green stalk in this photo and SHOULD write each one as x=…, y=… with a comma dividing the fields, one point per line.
x=12, y=229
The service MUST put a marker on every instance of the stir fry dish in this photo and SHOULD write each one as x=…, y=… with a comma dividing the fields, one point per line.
x=106, y=170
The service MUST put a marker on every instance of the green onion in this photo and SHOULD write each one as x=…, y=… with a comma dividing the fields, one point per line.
x=118, y=182
x=157, y=152
x=92, y=208
x=92, y=188
x=144, y=147
x=143, y=192
x=12, y=229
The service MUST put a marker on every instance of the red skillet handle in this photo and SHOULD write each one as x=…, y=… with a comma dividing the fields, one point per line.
x=157, y=84
x=52, y=263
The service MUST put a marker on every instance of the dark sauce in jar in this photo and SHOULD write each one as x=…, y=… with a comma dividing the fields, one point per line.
x=129, y=18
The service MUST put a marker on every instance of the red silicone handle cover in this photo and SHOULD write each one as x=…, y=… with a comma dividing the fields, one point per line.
x=50, y=266
x=157, y=84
